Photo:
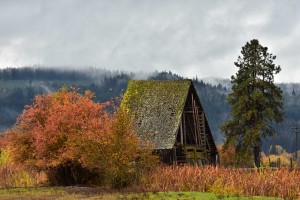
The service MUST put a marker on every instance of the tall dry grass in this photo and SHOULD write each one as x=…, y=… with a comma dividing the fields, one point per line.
x=225, y=181
x=16, y=176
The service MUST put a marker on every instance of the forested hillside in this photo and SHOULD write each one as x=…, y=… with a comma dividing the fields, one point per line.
x=19, y=85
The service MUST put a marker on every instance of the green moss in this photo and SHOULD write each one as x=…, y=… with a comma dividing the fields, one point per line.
x=157, y=107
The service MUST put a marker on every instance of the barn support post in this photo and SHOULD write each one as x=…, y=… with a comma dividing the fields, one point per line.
x=194, y=120
x=174, y=155
x=181, y=133
x=197, y=126
x=184, y=134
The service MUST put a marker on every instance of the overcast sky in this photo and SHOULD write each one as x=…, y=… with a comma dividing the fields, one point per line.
x=190, y=38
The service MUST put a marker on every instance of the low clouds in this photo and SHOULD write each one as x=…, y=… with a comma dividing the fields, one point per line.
x=190, y=38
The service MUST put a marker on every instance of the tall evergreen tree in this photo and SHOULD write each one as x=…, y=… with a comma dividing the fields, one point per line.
x=256, y=102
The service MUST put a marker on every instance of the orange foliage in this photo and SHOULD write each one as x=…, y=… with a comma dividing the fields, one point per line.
x=51, y=131
x=264, y=158
x=74, y=138
x=227, y=157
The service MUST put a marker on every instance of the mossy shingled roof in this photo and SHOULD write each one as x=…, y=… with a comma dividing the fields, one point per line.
x=157, y=107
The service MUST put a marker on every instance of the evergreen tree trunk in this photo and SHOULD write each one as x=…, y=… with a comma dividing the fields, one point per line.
x=256, y=152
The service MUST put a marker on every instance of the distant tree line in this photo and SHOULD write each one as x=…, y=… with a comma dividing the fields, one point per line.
x=43, y=74
x=16, y=93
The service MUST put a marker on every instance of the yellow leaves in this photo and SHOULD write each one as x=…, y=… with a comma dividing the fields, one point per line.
x=88, y=94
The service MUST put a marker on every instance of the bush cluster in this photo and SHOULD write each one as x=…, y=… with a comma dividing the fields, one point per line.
x=77, y=141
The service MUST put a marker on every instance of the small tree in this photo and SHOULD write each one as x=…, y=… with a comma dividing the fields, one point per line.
x=129, y=156
x=58, y=133
x=256, y=102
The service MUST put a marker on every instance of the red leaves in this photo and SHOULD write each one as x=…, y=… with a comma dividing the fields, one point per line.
x=55, y=124
x=227, y=156
x=68, y=127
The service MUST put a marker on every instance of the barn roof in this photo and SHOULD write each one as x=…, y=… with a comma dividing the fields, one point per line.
x=157, y=106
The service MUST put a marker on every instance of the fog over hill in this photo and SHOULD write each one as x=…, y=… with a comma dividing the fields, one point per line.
x=18, y=86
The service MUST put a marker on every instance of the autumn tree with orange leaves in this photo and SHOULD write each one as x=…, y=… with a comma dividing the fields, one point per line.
x=229, y=157
x=75, y=140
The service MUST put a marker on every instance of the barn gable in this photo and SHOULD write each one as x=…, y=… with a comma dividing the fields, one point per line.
x=169, y=114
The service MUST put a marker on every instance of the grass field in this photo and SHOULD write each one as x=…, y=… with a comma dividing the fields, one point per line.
x=86, y=193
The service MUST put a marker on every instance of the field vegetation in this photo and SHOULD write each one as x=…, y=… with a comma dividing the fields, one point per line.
x=225, y=182
x=206, y=182
x=74, y=193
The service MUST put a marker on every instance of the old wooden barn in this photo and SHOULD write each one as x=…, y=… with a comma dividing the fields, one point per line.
x=170, y=115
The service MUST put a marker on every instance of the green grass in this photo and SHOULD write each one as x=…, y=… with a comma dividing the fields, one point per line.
x=191, y=196
x=74, y=193
x=32, y=193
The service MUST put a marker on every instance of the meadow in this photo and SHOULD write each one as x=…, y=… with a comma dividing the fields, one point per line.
x=226, y=182
x=165, y=182
x=74, y=193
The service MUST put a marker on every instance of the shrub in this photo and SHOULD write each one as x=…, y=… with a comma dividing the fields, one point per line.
x=129, y=157
x=76, y=141
x=229, y=157
x=48, y=135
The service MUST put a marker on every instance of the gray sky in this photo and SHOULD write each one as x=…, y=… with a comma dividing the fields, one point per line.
x=190, y=38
